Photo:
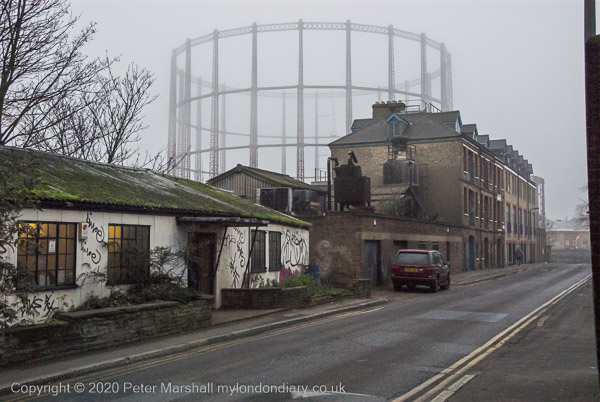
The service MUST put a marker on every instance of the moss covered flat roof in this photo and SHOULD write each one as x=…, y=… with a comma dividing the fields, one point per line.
x=75, y=181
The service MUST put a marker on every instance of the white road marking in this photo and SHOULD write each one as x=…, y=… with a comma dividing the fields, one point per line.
x=458, y=384
x=443, y=396
x=463, y=316
x=448, y=392
x=542, y=320
x=309, y=394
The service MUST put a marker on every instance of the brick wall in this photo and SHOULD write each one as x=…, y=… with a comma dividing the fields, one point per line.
x=361, y=288
x=83, y=331
x=370, y=160
x=265, y=298
x=440, y=191
x=440, y=171
x=337, y=242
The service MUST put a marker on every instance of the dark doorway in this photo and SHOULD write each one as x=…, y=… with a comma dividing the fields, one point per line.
x=500, y=253
x=201, y=275
x=471, y=250
x=372, y=262
x=486, y=252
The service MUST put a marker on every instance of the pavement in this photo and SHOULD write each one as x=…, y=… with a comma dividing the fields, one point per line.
x=227, y=325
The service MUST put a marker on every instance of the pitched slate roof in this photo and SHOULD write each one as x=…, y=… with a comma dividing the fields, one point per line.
x=359, y=124
x=277, y=179
x=499, y=145
x=446, y=117
x=68, y=182
x=421, y=126
x=483, y=140
x=470, y=130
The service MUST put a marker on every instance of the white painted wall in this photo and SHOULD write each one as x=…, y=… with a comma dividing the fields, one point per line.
x=236, y=249
x=92, y=253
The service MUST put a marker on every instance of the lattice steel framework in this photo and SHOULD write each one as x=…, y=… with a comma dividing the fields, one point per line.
x=181, y=99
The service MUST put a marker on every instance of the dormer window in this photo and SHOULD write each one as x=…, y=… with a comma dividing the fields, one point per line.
x=396, y=126
x=453, y=125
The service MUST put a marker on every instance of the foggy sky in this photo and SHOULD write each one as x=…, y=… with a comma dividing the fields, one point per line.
x=518, y=66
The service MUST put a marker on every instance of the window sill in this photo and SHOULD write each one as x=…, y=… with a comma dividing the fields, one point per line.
x=120, y=283
x=52, y=288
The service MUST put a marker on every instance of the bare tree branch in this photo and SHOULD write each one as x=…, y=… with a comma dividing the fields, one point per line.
x=52, y=98
x=118, y=111
x=41, y=64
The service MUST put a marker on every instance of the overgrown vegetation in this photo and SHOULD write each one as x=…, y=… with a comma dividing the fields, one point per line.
x=399, y=205
x=16, y=193
x=300, y=279
x=159, y=276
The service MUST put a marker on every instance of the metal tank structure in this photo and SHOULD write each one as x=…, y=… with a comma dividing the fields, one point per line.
x=187, y=142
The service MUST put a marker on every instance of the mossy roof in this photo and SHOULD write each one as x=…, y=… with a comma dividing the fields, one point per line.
x=75, y=181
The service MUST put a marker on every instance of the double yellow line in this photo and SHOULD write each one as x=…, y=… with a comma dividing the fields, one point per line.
x=453, y=372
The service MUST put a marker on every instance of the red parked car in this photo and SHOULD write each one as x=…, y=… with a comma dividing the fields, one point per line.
x=420, y=267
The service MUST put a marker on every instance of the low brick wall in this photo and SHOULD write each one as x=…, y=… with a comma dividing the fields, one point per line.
x=361, y=288
x=83, y=331
x=265, y=298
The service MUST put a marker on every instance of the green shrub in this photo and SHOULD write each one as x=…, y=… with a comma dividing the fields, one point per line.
x=300, y=279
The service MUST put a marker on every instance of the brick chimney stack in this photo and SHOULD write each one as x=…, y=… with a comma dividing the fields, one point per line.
x=385, y=109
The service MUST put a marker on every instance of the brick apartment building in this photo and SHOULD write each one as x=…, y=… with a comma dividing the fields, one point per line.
x=462, y=179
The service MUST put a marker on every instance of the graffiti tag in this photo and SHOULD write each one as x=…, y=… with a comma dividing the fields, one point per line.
x=97, y=230
x=235, y=243
x=94, y=255
x=294, y=250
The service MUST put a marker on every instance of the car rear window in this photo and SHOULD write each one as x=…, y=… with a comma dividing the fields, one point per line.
x=412, y=258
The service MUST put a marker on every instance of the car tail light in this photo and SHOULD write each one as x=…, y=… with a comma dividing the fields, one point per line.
x=428, y=271
x=395, y=270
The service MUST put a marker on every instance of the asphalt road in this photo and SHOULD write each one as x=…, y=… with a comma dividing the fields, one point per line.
x=400, y=350
x=560, y=363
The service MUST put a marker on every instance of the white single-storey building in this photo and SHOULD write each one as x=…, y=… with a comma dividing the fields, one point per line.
x=89, y=215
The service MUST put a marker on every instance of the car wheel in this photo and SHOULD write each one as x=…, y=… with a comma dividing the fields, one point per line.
x=397, y=287
x=436, y=286
x=447, y=284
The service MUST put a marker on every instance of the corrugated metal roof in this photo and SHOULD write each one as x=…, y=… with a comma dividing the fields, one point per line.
x=277, y=179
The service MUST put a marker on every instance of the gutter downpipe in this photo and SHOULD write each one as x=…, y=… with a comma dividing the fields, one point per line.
x=329, y=160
